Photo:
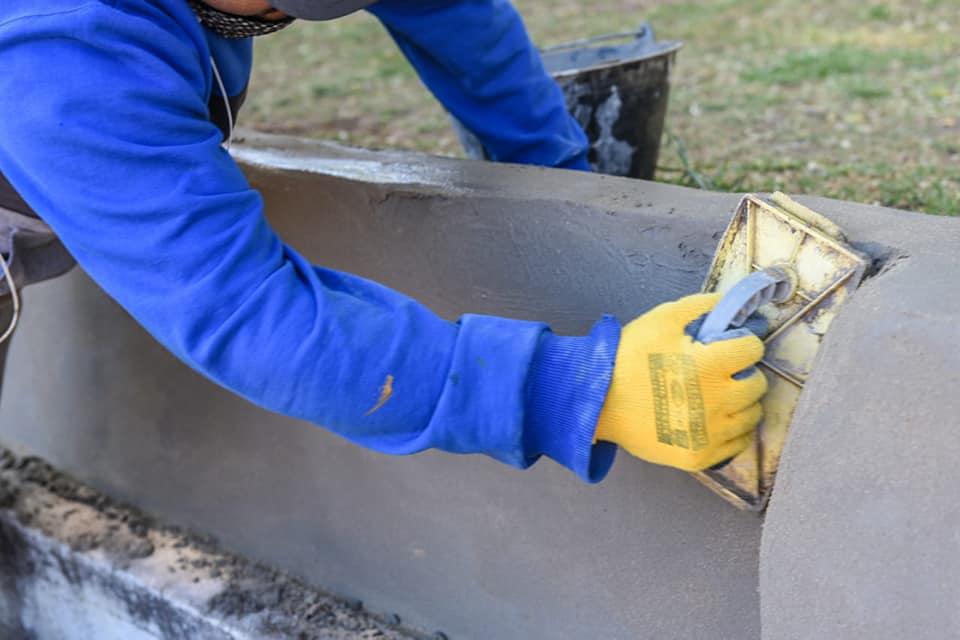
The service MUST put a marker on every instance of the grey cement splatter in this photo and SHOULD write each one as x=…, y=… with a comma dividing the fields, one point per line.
x=613, y=156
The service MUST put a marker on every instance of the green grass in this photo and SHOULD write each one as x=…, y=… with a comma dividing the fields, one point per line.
x=833, y=97
x=929, y=189
x=802, y=66
x=867, y=89
x=879, y=12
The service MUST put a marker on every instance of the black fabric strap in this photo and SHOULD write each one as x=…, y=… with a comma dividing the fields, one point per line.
x=10, y=199
x=218, y=110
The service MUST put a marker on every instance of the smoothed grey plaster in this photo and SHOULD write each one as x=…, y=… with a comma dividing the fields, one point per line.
x=862, y=537
x=461, y=544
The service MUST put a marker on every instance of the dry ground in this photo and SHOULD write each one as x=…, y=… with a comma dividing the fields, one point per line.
x=845, y=98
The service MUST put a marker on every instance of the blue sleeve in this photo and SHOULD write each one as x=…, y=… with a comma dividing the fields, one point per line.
x=116, y=153
x=477, y=59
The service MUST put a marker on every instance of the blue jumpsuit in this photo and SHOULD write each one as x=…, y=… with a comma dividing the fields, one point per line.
x=107, y=133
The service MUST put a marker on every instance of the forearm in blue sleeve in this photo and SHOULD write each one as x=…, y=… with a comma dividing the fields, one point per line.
x=139, y=189
x=477, y=59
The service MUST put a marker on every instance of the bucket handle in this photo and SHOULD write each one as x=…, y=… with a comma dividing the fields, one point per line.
x=643, y=32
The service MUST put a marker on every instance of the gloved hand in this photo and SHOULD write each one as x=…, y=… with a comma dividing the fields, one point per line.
x=675, y=401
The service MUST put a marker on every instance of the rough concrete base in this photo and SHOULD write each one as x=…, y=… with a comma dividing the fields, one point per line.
x=75, y=566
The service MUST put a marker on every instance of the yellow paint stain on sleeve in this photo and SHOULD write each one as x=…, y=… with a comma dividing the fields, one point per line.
x=386, y=392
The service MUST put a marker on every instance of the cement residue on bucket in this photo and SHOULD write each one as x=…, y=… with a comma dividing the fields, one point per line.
x=616, y=87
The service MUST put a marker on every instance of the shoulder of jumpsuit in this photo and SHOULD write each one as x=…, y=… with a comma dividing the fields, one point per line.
x=234, y=57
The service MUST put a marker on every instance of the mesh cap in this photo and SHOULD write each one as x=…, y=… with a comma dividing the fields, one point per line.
x=320, y=9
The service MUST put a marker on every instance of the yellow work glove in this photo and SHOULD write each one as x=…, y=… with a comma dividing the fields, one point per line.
x=674, y=400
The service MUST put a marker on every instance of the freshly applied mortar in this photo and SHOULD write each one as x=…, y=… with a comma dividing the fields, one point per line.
x=458, y=543
x=860, y=540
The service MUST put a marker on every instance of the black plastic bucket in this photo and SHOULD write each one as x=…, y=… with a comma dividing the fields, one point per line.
x=617, y=87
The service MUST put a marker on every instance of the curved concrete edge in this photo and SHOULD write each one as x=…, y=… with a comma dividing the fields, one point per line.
x=860, y=539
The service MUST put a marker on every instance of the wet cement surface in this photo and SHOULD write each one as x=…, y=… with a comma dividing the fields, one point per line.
x=464, y=544
x=860, y=540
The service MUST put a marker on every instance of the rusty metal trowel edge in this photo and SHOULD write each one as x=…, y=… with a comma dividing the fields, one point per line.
x=826, y=232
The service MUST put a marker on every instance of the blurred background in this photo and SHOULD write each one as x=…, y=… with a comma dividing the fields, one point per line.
x=852, y=99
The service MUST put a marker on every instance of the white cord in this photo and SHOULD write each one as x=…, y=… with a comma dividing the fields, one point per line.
x=16, y=301
x=226, y=102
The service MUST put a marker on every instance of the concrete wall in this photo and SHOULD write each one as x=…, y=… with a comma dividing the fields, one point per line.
x=861, y=539
x=461, y=544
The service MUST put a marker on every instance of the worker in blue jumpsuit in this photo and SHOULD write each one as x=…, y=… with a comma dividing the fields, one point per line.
x=113, y=119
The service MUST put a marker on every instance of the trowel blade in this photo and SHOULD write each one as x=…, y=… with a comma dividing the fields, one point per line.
x=786, y=235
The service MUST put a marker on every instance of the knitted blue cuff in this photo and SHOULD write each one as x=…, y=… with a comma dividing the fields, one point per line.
x=568, y=383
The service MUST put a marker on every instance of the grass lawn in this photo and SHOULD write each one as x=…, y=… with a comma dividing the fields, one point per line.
x=854, y=99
